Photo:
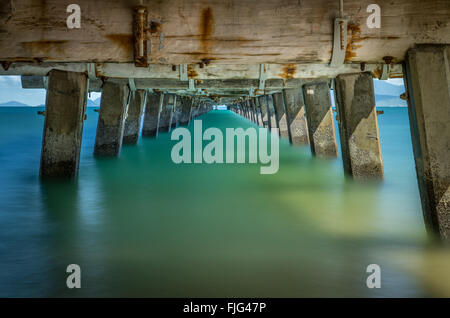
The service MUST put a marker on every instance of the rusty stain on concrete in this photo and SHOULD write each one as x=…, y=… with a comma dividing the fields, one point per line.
x=206, y=29
x=353, y=37
x=191, y=72
x=289, y=71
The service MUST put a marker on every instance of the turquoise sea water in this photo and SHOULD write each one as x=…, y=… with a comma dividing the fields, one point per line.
x=141, y=225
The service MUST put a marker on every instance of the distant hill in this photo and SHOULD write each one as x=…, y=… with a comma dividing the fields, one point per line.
x=90, y=103
x=13, y=104
x=389, y=100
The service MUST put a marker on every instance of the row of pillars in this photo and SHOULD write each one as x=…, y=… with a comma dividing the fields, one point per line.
x=305, y=116
x=119, y=121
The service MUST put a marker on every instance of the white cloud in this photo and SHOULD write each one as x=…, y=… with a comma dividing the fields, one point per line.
x=395, y=81
x=94, y=95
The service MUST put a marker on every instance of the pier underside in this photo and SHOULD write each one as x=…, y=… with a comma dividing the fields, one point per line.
x=272, y=61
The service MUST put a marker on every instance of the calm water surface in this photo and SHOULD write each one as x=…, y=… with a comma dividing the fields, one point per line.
x=141, y=225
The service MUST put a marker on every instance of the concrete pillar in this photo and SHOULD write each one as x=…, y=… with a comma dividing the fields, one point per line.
x=319, y=114
x=65, y=106
x=249, y=110
x=258, y=112
x=151, y=116
x=271, y=112
x=262, y=100
x=186, y=108
x=194, y=109
x=172, y=107
x=358, y=126
x=134, y=117
x=280, y=114
x=111, y=119
x=166, y=113
x=427, y=81
x=296, y=117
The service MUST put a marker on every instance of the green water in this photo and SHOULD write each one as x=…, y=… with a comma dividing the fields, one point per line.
x=141, y=225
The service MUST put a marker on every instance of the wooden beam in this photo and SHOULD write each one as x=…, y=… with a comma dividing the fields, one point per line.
x=212, y=72
x=217, y=32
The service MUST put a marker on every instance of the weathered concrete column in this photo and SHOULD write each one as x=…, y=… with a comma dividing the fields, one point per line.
x=358, y=126
x=427, y=81
x=194, y=109
x=249, y=110
x=151, y=116
x=174, y=111
x=254, y=110
x=259, y=120
x=280, y=114
x=271, y=112
x=322, y=137
x=111, y=119
x=65, y=106
x=186, y=107
x=134, y=117
x=262, y=100
x=296, y=118
x=166, y=113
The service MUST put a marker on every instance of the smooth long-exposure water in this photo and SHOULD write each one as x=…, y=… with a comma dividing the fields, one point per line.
x=141, y=225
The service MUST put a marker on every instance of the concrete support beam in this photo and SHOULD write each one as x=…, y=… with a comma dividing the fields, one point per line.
x=176, y=112
x=322, y=137
x=194, y=110
x=63, y=127
x=280, y=114
x=166, y=113
x=427, y=80
x=296, y=118
x=152, y=113
x=134, y=117
x=111, y=119
x=186, y=108
x=271, y=112
x=358, y=126
x=258, y=112
x=262, y=101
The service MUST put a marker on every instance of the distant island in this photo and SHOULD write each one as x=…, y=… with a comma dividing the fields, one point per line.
x=90, y=103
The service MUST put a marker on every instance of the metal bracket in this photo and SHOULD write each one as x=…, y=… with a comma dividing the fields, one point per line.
x=262, y=76
x=339, y=42
x=140, y=25
x=131, y=84
x=183, y=73
x=385, y=72
x=191, y=84
x=92, y=75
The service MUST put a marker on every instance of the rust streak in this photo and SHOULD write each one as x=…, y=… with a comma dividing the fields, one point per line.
x=288, y=71
x=191, y=72
x=354, y=36
x=206, y=29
